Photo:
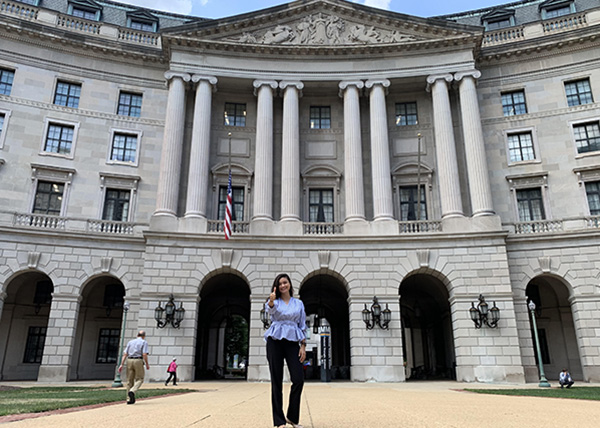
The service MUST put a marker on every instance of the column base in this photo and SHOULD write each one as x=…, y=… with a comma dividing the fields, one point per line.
x=377, y=374
x=53, y=373
x=164, y=222
x=289, y=227
x=194, y=224
x=356, y=226
x=385, y=227
x=259, y=373
x=262, y=226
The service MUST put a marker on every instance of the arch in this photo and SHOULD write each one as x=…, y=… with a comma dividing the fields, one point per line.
x=222, y=271
x=328, y=272
x=427, y=331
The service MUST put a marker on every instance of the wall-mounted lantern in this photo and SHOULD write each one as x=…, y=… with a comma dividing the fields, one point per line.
x=169, y=314
x=483, y=314
x=376, y=316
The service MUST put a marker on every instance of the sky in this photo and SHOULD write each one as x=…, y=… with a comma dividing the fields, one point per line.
x=221, y=8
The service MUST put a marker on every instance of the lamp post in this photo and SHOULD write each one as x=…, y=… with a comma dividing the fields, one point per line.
x=117, y=382
x=543, y=380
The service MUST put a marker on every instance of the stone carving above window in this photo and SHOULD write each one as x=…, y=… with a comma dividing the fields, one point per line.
x=323, y=30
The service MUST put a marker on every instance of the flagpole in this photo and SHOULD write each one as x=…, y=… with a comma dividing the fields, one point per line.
x=228, y=224
x=419, y=177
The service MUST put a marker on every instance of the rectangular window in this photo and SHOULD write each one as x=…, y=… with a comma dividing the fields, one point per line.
x=578, y=92
x=31, y=2
x=235, y=114
x=406, y=114
x=520, y=147
x=116, y=205
x=558, y=11
x=237, y=200
x=587, y=137
x=59, y=139
x=142, y=26
x=497, y=24
x=408, y=203
x=108, y=346
x=84, y=13
x=48, y=198
x=6, y=81
x=530, y=204
x=592, y=189
x=320, y=117
x=320, y=206
x=513, y=103
x=130, y=104
x=34, y=348
x=67, y=94
x=124, y=148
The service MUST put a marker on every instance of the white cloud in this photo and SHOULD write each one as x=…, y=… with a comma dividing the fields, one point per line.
x=183, y=7
x=380, y=4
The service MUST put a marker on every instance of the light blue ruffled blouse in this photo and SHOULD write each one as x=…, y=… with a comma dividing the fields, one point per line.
x=288, y=321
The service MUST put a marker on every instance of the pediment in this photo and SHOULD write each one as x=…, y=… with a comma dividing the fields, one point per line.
x=321, y=23
x=90, y=4
x=142, y=15
x=498, y=13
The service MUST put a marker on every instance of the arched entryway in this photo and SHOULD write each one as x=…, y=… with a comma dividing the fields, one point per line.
x=23, y=325
x=556, y=329
x=427, y=328
x=96, y=349
x=223, y=328
x=326, y=298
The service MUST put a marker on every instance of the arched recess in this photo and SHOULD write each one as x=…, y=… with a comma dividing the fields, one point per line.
x=556, y=327
x=427, y=337
x=325, y=296
x=23, y=325
x=97, y=339
x=223, y=328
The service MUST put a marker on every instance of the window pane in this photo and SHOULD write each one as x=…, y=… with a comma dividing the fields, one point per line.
x=83, y=13
x=406, y=114
x=520, y=147
x=513, y=103
x=235, y=114
x=587, y=137
x=408, y=203
x=116, y=205
x=320, y=205
x=593, y=195
x=59, y=139
x=578, y=92
x=67, y=94
x=530, y=205
x=124, y=148
x=108, y=346
x=34, y=347
x=142, y=26
x=237, y=199
x=320, y=117
x=130, y=104
x=48, y=198
x=6, y=81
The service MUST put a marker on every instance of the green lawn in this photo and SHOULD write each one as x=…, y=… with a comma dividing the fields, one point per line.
x=579, y=393
x=41, y=399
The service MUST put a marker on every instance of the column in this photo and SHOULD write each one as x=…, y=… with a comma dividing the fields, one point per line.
x=170, y=161
x=60, y=337
x=290, y=151
x=200, y=150
x=383, y=208
x=479, y=181
x=445, y=146
x=263, y=170
x=353, y=173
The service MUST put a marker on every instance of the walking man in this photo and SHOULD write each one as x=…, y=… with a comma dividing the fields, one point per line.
x=135, y=354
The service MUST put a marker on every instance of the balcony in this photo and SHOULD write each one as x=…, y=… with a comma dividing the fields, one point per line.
x=40, y=221
x=237, y=227
x=110, y=227
x=421, y=226
x=71, y=224
x=539, y=226
x=323, y=228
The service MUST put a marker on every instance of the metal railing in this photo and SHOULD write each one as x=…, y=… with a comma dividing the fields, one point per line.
x=538, y=226
x=110, y=227
x=568, y=22
x=40, y=221
x=237, y=227
x=421, y=226
x=19, y=9
x=323, y=228
x=79, y=24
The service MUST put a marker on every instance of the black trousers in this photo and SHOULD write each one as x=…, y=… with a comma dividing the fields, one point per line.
x=277, y=352
x=174, y=376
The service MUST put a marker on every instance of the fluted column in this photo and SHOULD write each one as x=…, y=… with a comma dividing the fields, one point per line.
x=263, y=170
x=477, y=170
x=445, y=146
x=200, y=150
x=290, y=151
x=353, y=172
x=170, y=161
x=383, y=208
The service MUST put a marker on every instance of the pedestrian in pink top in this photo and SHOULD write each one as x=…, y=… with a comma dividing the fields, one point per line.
x=172, y=370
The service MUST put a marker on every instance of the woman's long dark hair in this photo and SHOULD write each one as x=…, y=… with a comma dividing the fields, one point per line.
x=276, y=285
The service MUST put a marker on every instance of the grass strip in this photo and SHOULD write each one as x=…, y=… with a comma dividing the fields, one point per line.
x=43, y=399
x=578, y=393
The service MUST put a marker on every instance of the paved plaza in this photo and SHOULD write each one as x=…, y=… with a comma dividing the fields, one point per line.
x=334, y=405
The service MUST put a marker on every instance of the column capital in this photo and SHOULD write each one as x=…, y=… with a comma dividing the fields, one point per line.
x=431, y=79
x=292, y=83
x=475, y=74
x=344, y=84
x=172, y=74
x=372, y=82
x=212, y=80
x=258, y=83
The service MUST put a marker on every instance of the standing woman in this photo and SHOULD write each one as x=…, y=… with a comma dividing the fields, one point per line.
x=286, y=340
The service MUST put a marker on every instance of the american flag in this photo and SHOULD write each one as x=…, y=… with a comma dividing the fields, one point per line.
x=228, y=210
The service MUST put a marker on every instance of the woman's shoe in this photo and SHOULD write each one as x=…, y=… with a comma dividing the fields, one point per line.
x=293, y=424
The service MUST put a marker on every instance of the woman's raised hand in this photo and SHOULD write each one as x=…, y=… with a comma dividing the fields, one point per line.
x=272, y=296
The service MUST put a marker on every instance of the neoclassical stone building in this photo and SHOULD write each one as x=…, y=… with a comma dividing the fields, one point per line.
x=424, y=161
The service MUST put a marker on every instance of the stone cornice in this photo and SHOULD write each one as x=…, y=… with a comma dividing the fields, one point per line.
x=81, y=112
x=525, y=119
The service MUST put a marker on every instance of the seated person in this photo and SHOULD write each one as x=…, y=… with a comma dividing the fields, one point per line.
x=565, y=379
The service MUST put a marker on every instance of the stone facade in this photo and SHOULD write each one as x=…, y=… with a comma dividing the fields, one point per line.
x=324, y=90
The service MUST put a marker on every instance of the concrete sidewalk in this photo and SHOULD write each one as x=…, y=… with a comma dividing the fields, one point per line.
x=335, y=405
